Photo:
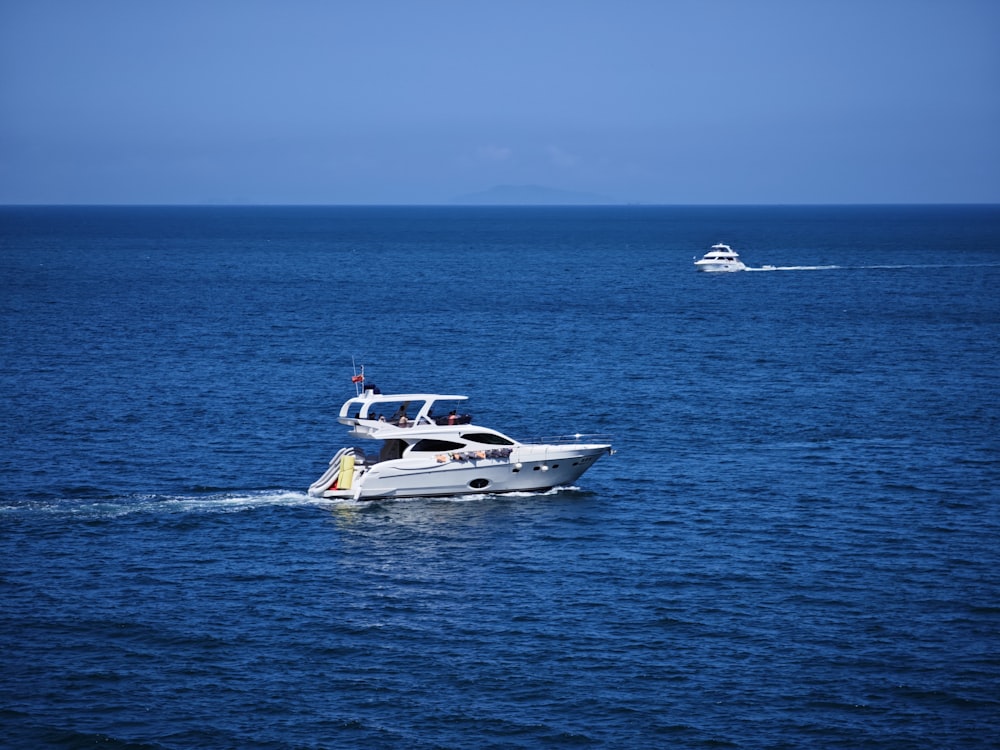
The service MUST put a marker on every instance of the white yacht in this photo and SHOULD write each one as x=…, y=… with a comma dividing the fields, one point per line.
x=720, y=258
x=424, y=445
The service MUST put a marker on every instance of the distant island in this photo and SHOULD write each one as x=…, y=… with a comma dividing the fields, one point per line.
x=531, y=195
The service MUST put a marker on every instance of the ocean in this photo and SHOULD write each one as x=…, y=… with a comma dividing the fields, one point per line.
x=796, y=544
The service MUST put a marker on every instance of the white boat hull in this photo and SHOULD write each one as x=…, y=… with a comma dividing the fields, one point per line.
x=528, y=468
x=719, y=267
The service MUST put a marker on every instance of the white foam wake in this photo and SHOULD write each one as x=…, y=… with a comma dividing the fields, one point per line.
x=215, y=502
x=226, y=502
x=793, y=268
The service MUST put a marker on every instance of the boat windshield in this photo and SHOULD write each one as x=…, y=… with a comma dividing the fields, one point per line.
x=390, y=411
x=407, y=410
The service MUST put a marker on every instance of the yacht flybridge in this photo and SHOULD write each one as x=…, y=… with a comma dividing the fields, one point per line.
x=424, y=444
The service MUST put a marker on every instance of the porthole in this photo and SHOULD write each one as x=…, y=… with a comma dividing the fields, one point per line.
x=479, y=484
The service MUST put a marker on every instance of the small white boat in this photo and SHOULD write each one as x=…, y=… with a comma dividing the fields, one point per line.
x=422, y=445
x=720, y=258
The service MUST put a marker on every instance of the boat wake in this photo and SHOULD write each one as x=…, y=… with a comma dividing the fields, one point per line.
x=210, y=503
x=793, y=268
x=228, y=502
x=871, y=268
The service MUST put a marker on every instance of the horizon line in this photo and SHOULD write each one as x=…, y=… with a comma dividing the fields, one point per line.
x=621, y=204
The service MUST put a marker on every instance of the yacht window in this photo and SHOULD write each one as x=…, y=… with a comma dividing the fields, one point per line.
x=486, y=438
x=436, y=446
x=393, y=410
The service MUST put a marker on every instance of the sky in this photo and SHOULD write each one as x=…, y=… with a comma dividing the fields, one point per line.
x=422, y=101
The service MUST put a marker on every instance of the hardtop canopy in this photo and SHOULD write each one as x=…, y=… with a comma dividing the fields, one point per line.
x=414, y=405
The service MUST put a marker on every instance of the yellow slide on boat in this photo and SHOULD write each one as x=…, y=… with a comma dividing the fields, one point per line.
x=346, y=477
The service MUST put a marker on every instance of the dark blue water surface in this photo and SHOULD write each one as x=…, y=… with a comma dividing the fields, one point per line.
x=796, y=545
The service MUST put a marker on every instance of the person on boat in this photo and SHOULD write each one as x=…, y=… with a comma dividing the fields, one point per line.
x=452, y=417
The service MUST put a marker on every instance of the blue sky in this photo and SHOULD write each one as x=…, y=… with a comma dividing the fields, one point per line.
x=659, y=101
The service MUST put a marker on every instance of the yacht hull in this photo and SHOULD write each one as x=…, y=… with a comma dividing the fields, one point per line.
x=526, y=469
x=719, y=267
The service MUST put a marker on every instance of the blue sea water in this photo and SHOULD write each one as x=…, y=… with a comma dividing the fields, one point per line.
x=796, y=545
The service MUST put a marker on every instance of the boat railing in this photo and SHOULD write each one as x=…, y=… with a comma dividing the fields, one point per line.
x=587, y=438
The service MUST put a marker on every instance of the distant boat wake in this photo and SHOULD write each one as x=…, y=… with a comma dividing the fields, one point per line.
x=792, y=268
x=875, y=267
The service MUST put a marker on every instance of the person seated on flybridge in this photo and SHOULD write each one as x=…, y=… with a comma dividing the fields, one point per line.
x=454, y=418
x=399, y=418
